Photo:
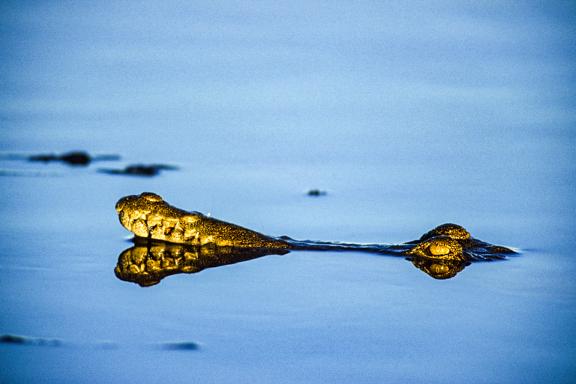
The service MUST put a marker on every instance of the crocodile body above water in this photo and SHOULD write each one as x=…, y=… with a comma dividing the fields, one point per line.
x=441, y=252
x=149, y=216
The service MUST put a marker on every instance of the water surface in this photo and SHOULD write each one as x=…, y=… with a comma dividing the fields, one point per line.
x=408, y=114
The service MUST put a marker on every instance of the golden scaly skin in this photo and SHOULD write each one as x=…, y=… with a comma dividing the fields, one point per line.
x=453, y=231
x=148, y=215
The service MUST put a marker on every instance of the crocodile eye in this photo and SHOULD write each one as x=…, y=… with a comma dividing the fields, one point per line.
x=439, y=249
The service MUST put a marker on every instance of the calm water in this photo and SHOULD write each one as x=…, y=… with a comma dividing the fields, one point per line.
x=409, y=114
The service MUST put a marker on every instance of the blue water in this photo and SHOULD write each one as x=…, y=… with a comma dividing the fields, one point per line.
x=409, y=114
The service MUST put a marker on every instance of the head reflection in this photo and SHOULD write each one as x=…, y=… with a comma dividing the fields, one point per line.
x=439, y=269
x=148, y=262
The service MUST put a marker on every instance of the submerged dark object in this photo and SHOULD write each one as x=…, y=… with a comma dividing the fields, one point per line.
x=181, y=346
x=25, y=340
x=316, y=193
x=71, y=158
x=140, y=170
x=442, y=252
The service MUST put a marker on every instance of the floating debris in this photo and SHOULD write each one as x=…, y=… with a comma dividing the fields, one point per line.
x=181, y=346
x=146, y=170
x=316, y=192
x=74, y=158
x=71, y=158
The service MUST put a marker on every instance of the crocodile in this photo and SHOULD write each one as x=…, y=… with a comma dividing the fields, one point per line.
x=441, y=252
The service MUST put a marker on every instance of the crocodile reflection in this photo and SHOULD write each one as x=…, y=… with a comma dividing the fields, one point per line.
x=170, y=240
x=148, y=262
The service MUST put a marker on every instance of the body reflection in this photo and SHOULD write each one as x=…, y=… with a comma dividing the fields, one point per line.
x=441, y=257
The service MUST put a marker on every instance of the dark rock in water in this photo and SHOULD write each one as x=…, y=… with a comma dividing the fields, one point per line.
x=316, y=192
x=72, y=158
x=146, y=170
